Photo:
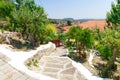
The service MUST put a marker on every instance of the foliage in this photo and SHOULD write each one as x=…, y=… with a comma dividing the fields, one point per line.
x=69, y=23
x=81, y=35
x=83, y=38
x=36, y=62
x=51, y=28
x=27, y=18
x=62, y=36
x=109, y=41
x=105, y=51
x=6, y=8
x=27, y=3
x=114, y=15
x=33, y=62
x=50, y=32
x=30, y=20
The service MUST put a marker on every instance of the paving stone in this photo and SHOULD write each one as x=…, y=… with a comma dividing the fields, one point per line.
x=69, y=71
x=3, y=57
x=68, y=65
x=56, y=65
x=78, y=76
x=2, y=76
x=60, y=51
x=2, y=62
x=2, y=67
x=22, y=78
x=51, y=74
x=7, y=69
x=7, y=72
x=14, y=75
x=66, y=77
x=51, y=69
x=32, y=79
x=41, y=62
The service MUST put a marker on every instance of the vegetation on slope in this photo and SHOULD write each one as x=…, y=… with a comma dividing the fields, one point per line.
x=28, y=19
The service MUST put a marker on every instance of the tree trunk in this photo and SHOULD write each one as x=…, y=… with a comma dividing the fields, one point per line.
x=114, y=54
x=77, y=50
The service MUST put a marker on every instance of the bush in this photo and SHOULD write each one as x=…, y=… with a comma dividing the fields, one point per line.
x=83, y=38
x=50, y=32
x=105, y=51
x=30, y=21
x=51, y=28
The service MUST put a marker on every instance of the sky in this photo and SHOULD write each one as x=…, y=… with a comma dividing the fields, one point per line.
x=77, y=9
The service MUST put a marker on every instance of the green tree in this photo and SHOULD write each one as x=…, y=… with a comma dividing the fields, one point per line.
x=27, y=3
x=83, y=38
x=108, y=46
x=69, y=23
x=109, y=43
x=114, y=15
x=30, y=20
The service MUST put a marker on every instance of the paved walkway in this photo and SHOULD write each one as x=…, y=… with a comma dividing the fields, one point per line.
x=60, y=68
x=56, y=65
x=7, y=72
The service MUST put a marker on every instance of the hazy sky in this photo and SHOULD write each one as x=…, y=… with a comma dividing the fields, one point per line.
x=76, y=8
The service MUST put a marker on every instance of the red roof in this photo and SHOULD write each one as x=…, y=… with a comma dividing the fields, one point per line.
x=66, y=28
x=93, y=24
x=89, y=24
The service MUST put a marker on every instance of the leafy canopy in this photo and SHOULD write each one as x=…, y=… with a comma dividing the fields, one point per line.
x=114, y=15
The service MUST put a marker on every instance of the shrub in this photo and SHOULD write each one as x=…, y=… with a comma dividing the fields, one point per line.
x=51, y=28
x=83, y=39
x=30, y=21
x=50, y=32
x=105, y=51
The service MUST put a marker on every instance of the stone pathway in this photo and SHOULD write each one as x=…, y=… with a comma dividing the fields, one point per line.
x=56, y=65
x=7, y=72
x=60, y=68
x=59, y=51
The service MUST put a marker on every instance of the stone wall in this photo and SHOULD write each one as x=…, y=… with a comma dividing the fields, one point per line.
x=32, y=62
